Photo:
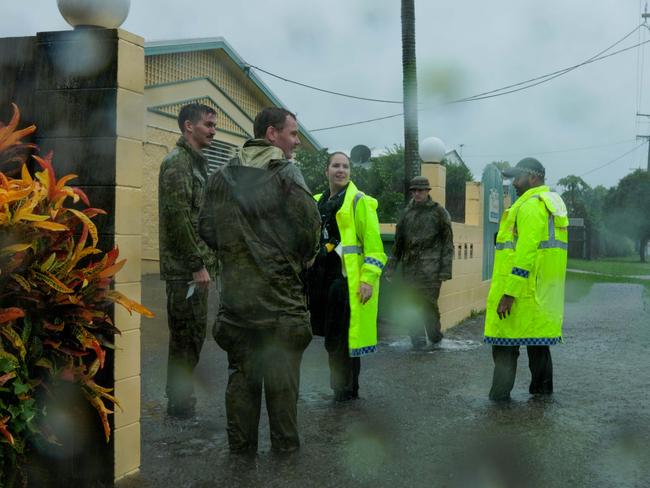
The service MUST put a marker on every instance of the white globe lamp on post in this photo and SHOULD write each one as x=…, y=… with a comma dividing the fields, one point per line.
x=432, y=152
x=109, y=14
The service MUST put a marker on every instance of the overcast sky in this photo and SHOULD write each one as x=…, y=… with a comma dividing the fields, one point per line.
x=463, y=48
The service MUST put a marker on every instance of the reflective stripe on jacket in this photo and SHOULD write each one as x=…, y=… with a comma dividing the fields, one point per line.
x=530, y=265
x=363, y=261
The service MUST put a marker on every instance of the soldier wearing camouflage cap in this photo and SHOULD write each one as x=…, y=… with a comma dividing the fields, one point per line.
x=186, y=262
x=424, y=247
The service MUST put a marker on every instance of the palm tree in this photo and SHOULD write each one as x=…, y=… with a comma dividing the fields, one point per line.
x=410, y=88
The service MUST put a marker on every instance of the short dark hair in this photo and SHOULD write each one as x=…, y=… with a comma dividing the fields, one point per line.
x=193, y=112
x=329, y=158
x=270, y=116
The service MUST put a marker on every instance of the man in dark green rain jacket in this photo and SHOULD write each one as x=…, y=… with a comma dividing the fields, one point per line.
x=260, y=218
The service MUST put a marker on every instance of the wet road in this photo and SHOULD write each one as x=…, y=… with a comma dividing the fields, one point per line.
x=423, y=418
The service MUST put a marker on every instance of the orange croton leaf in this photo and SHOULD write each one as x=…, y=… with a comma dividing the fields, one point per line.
x=4, y=431
x=53, y=226
x=112, y=256
x=53, y=327
x=93, y=212
x=99, y=351
x=11, y=313
x=53, y=282
x=112, y=270
x=9, y=136
x=16, y=248
x=6, y=377
x=82, y=195
x=129, y=304
x=24, y=174
x=22, y=282
x=62, y=181
x=97, y=402
x=46, y=164
x=52, y=343
x=11, y=126
x=92, y=229
x=15, y=340
x=73, y=352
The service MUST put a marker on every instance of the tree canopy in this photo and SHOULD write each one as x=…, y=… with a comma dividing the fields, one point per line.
x=628, y=208
x=383, y=179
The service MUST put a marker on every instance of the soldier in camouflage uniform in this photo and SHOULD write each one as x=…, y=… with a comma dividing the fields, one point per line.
x=262, y=221
x=186, y=263
x=424, y=246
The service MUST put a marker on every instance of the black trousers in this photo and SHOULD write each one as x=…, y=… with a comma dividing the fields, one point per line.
x=505, y=370
x=263, y=359
x=344, y=370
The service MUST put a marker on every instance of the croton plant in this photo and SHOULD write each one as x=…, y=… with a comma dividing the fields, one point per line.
x=55, y=295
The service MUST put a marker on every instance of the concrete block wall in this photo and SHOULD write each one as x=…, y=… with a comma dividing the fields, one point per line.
x=89, y=87
x=158, y=143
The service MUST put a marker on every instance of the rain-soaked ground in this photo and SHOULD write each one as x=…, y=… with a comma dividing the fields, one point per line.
x=423, y=418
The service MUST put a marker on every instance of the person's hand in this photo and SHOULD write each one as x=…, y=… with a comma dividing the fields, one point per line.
x=201, y=278
x=364, y=293
x=505, y=306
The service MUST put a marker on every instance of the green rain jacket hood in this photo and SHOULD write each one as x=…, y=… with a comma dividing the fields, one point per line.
x=262, y=221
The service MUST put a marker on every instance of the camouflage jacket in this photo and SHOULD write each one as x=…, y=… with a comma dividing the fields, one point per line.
x=181, y=185
x=263, y=222
x=424, y=243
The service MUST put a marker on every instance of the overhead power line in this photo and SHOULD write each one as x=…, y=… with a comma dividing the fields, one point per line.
x=550, y=76
x=500, y=91
x=557, y=151
x=323, y=90
x=380, y=100
x=613, y=160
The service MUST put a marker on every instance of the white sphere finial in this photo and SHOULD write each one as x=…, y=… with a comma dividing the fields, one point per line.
x=432, y=150
x=109, y=14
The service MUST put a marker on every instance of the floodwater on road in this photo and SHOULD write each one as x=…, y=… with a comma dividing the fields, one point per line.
x=423, y=418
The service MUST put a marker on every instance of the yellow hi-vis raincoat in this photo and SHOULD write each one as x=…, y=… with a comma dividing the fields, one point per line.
x=530, y=265
x=363, y=259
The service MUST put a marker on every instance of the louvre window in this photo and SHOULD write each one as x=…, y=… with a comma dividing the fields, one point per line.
x=218, y=154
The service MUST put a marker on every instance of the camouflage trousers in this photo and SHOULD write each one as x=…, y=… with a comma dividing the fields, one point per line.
x=187, y=321
x=427, y=301
x=269, y=359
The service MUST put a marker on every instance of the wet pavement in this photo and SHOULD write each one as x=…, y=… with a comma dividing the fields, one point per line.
x=423, y=418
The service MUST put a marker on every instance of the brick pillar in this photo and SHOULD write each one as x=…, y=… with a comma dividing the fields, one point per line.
x=89, y=108
x=437, y=175
x=473, y=203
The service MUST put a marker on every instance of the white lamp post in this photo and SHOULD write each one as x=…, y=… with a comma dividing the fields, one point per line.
x=432, y=150
x=109, y=14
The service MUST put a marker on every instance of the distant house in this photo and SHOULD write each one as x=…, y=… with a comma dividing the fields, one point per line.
x=207, y=71
x=455, y=190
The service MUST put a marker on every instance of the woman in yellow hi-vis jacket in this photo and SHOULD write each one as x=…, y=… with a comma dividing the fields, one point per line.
x=525, y=306
x=344, y=281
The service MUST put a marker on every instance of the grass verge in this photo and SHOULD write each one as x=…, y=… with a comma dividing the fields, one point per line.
x=628, y=266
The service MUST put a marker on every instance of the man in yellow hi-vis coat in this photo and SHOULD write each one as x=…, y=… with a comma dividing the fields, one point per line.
x=525, y=305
